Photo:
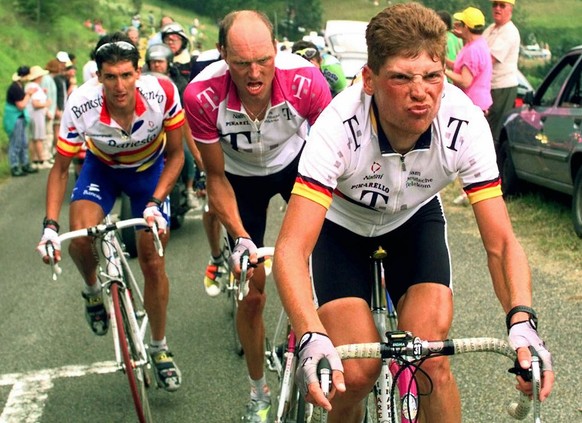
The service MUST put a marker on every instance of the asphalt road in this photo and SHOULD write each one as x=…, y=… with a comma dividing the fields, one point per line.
x=52, y=369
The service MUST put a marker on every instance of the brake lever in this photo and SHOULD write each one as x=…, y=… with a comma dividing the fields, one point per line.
x=243, y=282
x=55, y=268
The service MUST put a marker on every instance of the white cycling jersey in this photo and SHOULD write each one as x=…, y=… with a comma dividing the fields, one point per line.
x=86, y=119
x=216, y=114
x=374, y=189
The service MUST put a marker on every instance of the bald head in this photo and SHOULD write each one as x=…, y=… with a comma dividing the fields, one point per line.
x=253, y=23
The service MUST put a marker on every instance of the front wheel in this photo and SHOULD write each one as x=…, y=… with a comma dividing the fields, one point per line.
x=577, y=204
x=137, y=376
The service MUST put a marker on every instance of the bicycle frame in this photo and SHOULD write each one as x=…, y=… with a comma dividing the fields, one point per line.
x=124, y=302
x=391, y=372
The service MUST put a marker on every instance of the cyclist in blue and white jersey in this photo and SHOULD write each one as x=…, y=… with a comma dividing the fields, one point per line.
x=132, y=126
x=249, y=115
x=370, y=175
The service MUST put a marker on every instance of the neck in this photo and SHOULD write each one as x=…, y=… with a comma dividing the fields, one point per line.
x=257, y=109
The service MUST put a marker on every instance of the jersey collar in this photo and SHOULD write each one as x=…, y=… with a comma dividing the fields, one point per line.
x=423, y=141
x=140, y=108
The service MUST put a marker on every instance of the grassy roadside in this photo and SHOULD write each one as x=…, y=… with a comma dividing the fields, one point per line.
x=543, y=225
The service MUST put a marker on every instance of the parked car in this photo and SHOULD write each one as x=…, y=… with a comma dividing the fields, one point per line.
x=542, y=142
x=346, y=40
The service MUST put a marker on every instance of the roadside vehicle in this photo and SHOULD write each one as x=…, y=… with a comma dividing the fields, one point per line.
x=541, y=142
x=346, y=40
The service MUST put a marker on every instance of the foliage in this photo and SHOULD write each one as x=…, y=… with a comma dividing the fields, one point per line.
x=48, y=11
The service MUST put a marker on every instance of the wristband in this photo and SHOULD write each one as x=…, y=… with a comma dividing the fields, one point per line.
x=533, y=317
x=156, y=201
x=50, y=222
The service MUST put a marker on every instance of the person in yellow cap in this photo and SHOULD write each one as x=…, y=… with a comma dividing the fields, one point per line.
x=471, y=70
x=503, y=40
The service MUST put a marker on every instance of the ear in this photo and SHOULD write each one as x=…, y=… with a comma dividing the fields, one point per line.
x=368, y=80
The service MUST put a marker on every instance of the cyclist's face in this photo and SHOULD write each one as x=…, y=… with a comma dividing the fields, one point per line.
x=407, y=92
x=118, y=81
x=160, y=66
x=250, y=54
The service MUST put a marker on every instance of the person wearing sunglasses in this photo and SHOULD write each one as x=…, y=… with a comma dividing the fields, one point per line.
x=373, y=166
x=329, y=65
x=503, y=40
x=132, y=126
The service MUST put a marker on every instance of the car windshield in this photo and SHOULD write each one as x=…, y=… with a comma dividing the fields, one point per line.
x=348, y=42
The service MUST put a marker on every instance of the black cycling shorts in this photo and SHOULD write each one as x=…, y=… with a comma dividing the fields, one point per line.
x=417, y=252
x=253, y=194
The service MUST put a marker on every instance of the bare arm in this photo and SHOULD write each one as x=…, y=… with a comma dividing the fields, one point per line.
x=462, y=80
x=192, y=146
x=56, y=186
x=220, y=193
x=294, y=245
x=506, y=259
x=173, y=165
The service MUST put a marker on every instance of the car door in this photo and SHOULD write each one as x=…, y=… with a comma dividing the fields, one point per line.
x=561, y=126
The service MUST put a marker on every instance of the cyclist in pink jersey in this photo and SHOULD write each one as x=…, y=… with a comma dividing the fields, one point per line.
x=249, y=115
x=132, y=127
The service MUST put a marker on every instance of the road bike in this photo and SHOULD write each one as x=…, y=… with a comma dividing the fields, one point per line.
x=282, y=359
x=395, y=394
x=123, y=300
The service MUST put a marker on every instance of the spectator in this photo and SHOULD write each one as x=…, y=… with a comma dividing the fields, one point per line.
x=329, y=65
x=37, y=109
x=90, y=68
x=157, y=37
x=174, y=36
x=62, y=86
x=471, y=70
x=16, y=120
x=133, y=34
x=503, y=40
x=454, y=43
x=50, y=88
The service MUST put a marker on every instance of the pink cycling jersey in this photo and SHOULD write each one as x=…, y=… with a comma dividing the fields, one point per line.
x=216, y=114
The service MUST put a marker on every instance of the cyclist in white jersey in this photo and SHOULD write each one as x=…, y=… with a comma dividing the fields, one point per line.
x=370, y=175
x=132, y=126
x=249, y=115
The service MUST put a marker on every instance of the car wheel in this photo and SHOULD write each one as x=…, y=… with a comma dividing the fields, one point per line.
x=510, y=183
x=577, y=204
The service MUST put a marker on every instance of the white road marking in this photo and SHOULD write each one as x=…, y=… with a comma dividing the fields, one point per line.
x=29, y=392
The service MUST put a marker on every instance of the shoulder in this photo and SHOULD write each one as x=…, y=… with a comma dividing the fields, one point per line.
x=294, y=74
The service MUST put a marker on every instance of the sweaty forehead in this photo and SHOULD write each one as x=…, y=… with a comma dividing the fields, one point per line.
x=249, y=36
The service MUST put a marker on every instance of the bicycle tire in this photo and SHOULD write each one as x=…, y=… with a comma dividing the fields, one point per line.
x=137, y=377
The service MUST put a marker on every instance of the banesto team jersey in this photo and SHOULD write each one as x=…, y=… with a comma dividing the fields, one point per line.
x=86, y=119
x=251, y=148
x=375, y=189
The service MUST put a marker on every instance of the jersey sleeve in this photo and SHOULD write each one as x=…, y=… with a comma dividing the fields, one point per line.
x=173, y=112
x=201, y=104
x=478, y=169
x=70, y=139
x=324, y=159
